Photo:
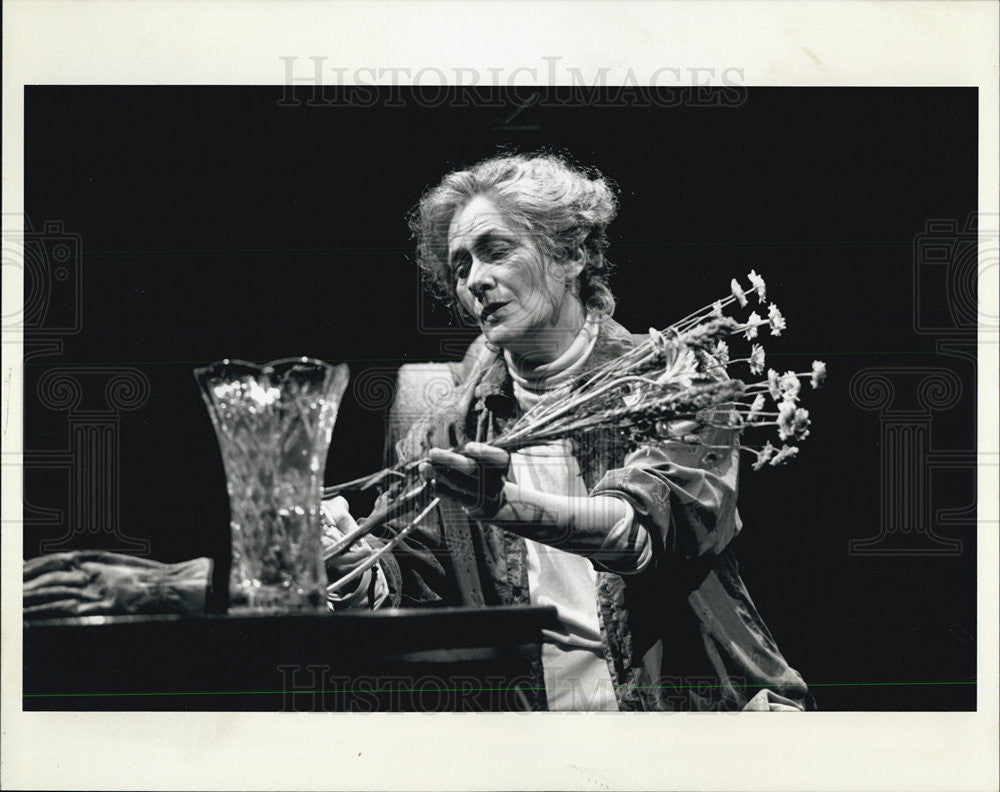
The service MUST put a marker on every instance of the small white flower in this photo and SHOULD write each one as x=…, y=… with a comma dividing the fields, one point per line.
x=717, y=309
x=738, y=293
x=773, y=384
x=752, y=321
x=763, y=456
x=756, y=407
x=818, y=373
x=756, y=359
x=786, y=452
x=800, y=424
x=722, y=353
x=776, y=319
x=786, y=420
x=790, y=386
x=758, y=285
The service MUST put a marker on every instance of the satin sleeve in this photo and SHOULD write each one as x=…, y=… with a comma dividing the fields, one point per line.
x=628, y=549
x=683, y=495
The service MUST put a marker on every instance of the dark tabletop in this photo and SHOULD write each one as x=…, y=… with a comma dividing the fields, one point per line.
x=400, y=659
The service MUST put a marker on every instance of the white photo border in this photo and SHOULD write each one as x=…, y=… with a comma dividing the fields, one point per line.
x=212, y=42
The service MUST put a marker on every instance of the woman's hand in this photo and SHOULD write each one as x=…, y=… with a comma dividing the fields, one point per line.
x=600, y=527
x=337, y=524
x=473, y=477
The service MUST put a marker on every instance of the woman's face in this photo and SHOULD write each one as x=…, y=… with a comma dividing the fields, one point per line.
x=518, y=295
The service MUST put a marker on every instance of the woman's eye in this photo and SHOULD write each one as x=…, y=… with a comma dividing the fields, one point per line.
x=497, y=252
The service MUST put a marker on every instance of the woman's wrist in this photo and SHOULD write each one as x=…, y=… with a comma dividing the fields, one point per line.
x=575, y=524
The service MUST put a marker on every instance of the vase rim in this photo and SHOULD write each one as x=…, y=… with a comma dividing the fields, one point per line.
x=265, y=368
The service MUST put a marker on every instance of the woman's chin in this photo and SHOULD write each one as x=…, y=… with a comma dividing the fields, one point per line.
x=499, y=335
x=496, y=340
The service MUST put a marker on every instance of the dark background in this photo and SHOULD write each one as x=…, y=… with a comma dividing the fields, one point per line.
x=215, y=222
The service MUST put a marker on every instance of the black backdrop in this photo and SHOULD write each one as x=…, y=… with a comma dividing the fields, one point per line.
x=215, y=222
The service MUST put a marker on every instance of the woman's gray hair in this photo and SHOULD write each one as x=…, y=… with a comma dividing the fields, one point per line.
x=566, y=208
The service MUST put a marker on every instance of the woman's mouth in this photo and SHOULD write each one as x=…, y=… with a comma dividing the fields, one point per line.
x=489, y=310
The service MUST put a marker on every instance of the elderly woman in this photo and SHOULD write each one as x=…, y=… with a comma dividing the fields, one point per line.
x=630, y=546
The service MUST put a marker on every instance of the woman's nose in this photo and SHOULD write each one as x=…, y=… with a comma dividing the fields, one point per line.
x=480, y=279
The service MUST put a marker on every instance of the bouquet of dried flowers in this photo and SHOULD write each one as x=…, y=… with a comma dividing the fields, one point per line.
x=672, y=387
x=677, y=383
